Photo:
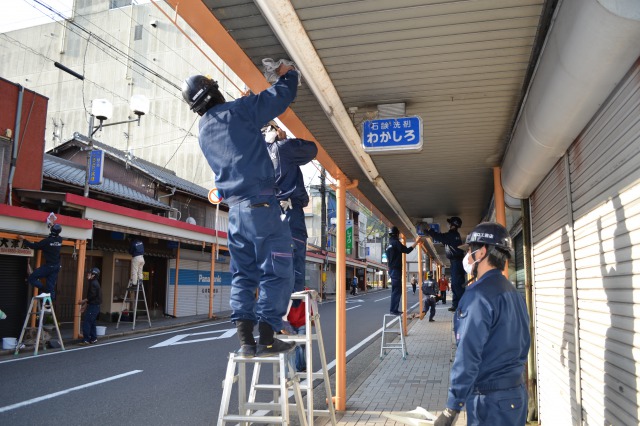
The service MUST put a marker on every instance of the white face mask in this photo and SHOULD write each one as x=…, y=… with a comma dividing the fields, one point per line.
x=468, y=267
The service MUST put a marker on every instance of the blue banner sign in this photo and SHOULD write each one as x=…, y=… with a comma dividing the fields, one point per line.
x=392, y=135
x=96, y=166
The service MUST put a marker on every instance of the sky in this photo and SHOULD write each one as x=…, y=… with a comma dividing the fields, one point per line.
x=26, y=13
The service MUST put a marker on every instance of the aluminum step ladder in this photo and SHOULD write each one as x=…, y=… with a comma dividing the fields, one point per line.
x=313, y=333
x=40, y=306
x=388, y=340
x=250, y=411
x=129, y=293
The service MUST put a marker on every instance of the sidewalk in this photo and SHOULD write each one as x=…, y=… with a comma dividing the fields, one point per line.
x=396, y=385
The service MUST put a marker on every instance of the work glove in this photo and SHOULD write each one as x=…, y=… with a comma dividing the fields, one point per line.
x=447, y=417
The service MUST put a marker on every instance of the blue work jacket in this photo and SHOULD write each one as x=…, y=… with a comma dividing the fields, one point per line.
x=233, y=145
x=287, y=156
x=394, y=253
x=50, y=248
x=492, y=332
x=136, y=248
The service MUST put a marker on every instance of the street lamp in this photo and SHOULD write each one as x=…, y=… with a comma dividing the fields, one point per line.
x=102, y=109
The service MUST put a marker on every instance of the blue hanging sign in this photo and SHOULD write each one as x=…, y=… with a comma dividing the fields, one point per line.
x=392, y=135
x=96, y=166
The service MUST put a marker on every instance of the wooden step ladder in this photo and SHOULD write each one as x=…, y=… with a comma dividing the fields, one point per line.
x=128, y=297
x=40, y=306
x=387, y=339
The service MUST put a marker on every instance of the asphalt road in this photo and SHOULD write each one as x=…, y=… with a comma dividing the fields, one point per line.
x=168, y=378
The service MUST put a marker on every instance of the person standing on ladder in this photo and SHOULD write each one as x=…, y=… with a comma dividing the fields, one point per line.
x=394, y=252
x=452, y=241
x=287, y=155
x=50, y=248
x=259, y=241
x=136, y=250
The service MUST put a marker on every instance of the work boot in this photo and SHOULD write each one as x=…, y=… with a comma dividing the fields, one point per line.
x=269, y=345
x=244, y=328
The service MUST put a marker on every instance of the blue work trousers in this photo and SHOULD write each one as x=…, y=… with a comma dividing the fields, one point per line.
x=294, y=217
x=396, y=290
x=301, y=359
x=430, y=303
x=458, y=279
x=50, y=272
x=506, y=407
x=89, y=323
x=261, y=258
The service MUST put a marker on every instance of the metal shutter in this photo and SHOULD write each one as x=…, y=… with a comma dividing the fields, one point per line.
x=605, y=182
x=553, y=300
x=13, y=294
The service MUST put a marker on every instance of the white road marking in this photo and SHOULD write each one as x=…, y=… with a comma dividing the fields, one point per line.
x=177, y=340
x=55, y=394
x=384, y=298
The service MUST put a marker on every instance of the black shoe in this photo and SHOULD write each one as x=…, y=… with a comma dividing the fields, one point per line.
x=246, y=351
x=451, y=309
x=277, y=347
x=84, y=343
x=94, y=341
x=431, y=320
x=396, y=313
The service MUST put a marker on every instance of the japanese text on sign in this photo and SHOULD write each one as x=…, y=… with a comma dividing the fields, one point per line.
x=392, y=135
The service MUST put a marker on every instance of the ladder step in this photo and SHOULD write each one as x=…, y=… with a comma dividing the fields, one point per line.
x=263, y=406
x=267, y=386
x=253, y=419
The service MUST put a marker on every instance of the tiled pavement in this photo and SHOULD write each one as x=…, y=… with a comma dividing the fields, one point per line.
x=397, y=385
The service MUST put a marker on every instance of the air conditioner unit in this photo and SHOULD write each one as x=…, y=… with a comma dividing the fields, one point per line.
x=173, y=214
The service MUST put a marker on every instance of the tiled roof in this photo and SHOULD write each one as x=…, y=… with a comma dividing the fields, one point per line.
x=162, y=175
x=62, y=170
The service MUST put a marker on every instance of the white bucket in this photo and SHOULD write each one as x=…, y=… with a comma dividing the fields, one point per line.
x=100, y=330
x=9, y=343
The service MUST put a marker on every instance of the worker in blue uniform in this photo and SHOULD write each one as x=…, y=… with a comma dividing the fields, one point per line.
x=259, y=241
x=452, y=241
x=430, y=294
x=287, y=155
x=491, y=327
x=394, y=252
x=50, y=248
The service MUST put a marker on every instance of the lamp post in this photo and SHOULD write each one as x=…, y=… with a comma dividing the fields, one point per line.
x=102, y=109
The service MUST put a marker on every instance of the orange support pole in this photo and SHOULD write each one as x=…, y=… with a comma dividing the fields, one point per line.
x=32, y=324
x=341, y=290
x=498, y=196
x=81, y=246
x=420, y=276
x=175, y=284
x=214, y=249
x=403, y=240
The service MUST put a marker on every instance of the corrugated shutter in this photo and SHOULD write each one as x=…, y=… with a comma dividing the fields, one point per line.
x=554, y=325
x=605, y=182
x=13, y=294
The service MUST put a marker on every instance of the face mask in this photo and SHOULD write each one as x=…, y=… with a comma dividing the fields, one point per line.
x=270, y=136
x=468, y=267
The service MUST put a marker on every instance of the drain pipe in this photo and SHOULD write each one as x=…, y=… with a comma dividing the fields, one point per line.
x=283, y=20
x=589, y=49
x=16, y=139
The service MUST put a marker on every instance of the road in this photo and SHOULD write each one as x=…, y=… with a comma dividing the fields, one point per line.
x=167, y=378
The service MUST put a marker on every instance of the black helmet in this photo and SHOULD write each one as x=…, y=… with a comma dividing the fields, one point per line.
x=198, y=91
x=490, y=233
x=55, y=230
x=394, y=231
x=95, y=271
x=455, y=221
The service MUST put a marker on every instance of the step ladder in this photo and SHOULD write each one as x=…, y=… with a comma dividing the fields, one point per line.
x=387, y=340
x=247, y=402
x=40, y=306
x=313, y=333
x=250, y=411
x=128, y=297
